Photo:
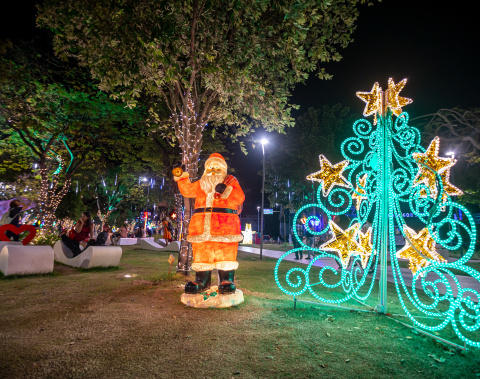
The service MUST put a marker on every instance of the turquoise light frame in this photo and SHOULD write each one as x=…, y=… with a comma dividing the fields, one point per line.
x=385, y=154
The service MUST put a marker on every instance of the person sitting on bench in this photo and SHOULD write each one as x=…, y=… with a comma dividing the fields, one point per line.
x=79, y=237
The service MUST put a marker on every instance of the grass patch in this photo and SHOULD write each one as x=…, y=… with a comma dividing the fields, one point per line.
x=129, y=322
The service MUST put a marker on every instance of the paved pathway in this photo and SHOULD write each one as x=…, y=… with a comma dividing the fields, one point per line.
x=465, y=281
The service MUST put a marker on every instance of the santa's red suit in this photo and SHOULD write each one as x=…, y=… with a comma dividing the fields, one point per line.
x=214, y=229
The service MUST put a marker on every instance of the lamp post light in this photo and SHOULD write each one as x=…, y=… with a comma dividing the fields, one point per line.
x=258, y=218
x=264, y=142
x=144, y=179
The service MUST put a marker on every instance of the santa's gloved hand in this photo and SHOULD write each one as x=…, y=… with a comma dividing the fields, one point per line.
x=220, y=188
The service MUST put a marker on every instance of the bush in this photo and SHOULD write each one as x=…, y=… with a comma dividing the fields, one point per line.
x=46, y=238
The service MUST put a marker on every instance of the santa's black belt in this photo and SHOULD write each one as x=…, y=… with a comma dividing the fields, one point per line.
x=215, y=210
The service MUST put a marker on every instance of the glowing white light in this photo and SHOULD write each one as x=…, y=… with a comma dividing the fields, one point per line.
x=247, y=234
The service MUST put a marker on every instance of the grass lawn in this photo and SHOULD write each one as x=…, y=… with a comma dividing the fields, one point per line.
x=99, y=323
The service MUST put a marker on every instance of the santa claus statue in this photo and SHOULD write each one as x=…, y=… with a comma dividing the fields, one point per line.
x=214, y=230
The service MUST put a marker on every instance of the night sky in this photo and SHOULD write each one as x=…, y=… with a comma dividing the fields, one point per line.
x=435, y=47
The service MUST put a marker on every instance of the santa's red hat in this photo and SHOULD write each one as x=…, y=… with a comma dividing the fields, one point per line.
x=217, y=158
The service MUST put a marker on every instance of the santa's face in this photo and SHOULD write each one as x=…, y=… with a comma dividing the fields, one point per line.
x=213, y=175
x=213, y=169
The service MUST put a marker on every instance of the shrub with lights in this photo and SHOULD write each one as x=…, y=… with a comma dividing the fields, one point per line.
x=385, y=172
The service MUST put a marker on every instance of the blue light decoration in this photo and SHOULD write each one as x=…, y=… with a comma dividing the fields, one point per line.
x=385, y=172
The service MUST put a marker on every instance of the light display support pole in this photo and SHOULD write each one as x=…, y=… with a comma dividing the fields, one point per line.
x=385, y=204
x=263, y=201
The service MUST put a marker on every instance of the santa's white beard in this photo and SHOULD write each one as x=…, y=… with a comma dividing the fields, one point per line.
x=209, y=182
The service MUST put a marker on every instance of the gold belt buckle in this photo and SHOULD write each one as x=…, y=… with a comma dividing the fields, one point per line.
x=208, y=209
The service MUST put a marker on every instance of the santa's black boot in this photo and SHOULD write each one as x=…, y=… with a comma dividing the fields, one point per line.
x=203, y=281
x=225, y=282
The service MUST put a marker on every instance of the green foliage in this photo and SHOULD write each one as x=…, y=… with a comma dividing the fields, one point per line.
x=47, y=105
x=71, y=206
x=15, y=157
x=239, y=60
x=51, y=111
x=46, y=238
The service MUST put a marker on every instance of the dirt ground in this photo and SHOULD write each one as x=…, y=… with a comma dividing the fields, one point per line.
x=129, y=322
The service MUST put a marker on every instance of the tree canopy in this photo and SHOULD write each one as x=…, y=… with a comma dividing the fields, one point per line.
x=54, y=117
x=459, y=130
x=237, y=60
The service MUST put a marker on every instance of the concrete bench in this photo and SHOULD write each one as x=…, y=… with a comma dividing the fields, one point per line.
x=150, y=245
x=26, y=260
x=3, y=244
x=139, y=240
x=126, y=241
x=93, y=256
x=173, y=246
x=162, y=242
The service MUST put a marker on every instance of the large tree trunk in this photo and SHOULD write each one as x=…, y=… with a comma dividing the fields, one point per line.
x=189, y=133
x=50, y=195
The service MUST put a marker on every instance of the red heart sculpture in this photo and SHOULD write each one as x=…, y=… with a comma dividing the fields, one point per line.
x=18, y=230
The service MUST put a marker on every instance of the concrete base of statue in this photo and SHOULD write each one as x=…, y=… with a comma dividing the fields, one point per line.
x=212, y=299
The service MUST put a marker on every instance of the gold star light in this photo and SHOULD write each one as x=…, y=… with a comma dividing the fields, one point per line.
x=330, y=175
x=366, y=246
x=343, y=242
x=449, y=188
x=359, y=194
x=419, y=249
x=433, y=162
x=373, y=100
x=394, y=101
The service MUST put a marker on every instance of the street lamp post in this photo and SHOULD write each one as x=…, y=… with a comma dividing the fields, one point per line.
x=264, y=142
x=258, y=218
x=144, y=179
x=452, y=157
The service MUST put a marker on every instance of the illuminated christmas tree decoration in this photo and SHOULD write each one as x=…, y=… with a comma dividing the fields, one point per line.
x=374, y=103
x=449, y=188
x=359, y=193
x=430, y=164
x=373, y=100
x=330, y=175
x=344, y=243
x=386, y=171
x=394, y=101
x=366, y=247
x=419, y=249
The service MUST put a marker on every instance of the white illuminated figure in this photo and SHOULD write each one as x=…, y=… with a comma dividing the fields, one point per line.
x=247, y=234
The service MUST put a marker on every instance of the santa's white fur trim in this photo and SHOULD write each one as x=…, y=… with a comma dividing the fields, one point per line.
x=217, y=160
x=203, y=266
x=226, y=265
x=183, y=176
